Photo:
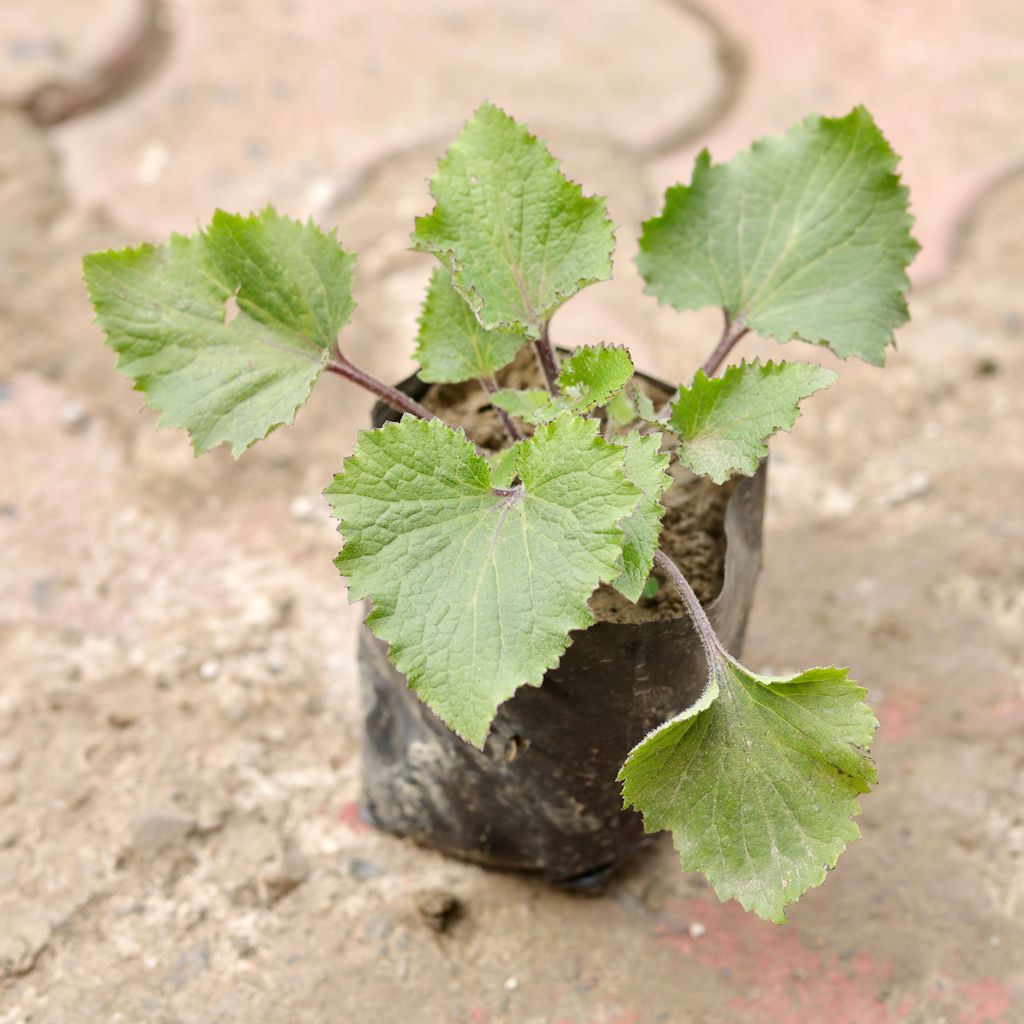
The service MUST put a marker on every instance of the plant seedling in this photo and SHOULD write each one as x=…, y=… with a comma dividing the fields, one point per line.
x=479, y=566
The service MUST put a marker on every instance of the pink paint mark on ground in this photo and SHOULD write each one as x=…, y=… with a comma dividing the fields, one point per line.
x=987, y=1002
x=611, y=1015
x=780, y=981
x=478, y=1013
x=897, y=717
x=349, y=817
x=1012, y=709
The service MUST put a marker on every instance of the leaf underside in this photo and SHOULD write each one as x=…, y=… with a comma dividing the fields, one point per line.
x=758, y=781
x=518, y=237
x=165, y=311
x=723, y=423
x=804, y=236
x=476, y=593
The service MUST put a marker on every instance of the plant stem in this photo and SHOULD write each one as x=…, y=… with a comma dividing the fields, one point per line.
x=731, y=333
x=392, y=396
x=547, y=358
x=508, y=492
x=701, y=623
x=490, y=385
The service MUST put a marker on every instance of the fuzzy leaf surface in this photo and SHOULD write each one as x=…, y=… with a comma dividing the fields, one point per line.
x=645, y=408
x=503, y=466
x=758, y=781
x=164, y=310
x=518, y=237
x=476, y=592
x=452, y=345
x=723, y=423
x=533, y=405
x=588, y=378
x=646, y=467
x=804, y=236
x=593, y=374
x=622, y=410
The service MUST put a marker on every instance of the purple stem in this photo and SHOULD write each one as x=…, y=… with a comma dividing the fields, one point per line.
x=732, y=332
x=392, y=396
x=490, y=385
x=547, y=358
x=708, y=638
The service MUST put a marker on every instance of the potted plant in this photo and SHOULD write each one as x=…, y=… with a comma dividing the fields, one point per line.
x=506, y=498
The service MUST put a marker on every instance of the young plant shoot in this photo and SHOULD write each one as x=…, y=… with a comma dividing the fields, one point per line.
x=479, y=566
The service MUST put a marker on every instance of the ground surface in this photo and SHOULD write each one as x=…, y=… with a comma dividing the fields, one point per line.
x=179, y=728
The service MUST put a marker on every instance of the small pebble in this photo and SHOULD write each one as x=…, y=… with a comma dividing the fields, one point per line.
x=303, y=509
x=192, y=962
x=74, y=416
x=917, y=485
x=696, y=929
x=211, y=818
x=377, y=927
x=437, y=908
x=156, y=830
x=289, y=871
x=364, y=869
x=511, y=984
x=152, y=163
x=9, y=759
x=209, y=669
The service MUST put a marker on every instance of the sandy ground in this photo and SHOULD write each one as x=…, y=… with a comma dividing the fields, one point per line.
x=179, y=723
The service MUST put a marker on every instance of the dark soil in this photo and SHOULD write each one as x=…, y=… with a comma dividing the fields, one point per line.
x=694, y=531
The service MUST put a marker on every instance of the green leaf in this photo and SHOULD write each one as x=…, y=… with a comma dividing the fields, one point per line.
x=533, y=405
x=645, y=408
x=646, y=467
x=723, y=423
x=165, y=312
x=592, y=374
x=805, y=236
x=621, y=410
x=503, y=466
x=518, y=237
x=452, y=345
x=588, y=378
x=758, y=781
x=476, y=592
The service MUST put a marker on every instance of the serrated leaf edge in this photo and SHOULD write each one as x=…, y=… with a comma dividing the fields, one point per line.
x=703, y=165
x=711, y=693
x=456, y=266
x=763, y=443
x=165, y=420
x=581, y=615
